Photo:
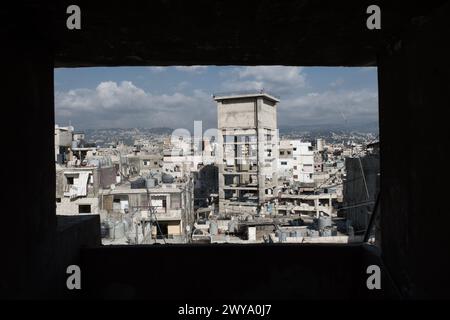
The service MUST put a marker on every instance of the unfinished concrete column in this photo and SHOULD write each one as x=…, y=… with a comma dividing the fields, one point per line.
x=316, y=205
x=261, y=151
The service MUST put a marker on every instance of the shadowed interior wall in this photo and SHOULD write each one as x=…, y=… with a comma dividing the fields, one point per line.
x=414, y=97
x=40, y=245
x=27, y=107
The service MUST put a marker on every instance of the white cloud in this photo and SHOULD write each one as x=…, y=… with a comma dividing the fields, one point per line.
x=194, y=69
x=126, y=105
x=331, y=107
x=274, y=74
x=243, y=85
x=157, y=69
x=189, y=69
x=182, y=85
x=337, y=83
x=274, y=79
x=367, y=69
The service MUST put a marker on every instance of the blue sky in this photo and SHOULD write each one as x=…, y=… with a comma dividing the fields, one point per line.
x=174, y=97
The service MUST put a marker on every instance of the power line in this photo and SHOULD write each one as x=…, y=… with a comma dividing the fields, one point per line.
x=364, y=177
x=372, y=218
x=356, y=204
x=318, y=188
x=343, y=182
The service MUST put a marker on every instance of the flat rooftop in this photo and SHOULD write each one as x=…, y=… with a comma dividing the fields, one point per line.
x=244, y=94
x=125, y=188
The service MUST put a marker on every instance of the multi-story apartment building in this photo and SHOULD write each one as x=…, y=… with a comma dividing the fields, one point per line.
x=248, y=150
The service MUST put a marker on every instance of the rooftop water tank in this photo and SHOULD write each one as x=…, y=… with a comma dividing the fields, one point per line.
x=313, y=233
x=232, y=226
x=319, y=143
x=251, y=233
x=278, y=233
x=325, y=232
x=111, y=228
x=167, y=178
x=157, y=176
x=104, y=230
x=323, y=222
x=213, y=228
x=298, y=233
x=334, y=231
x=138, y=183
x=119, y=230
x=151, y=183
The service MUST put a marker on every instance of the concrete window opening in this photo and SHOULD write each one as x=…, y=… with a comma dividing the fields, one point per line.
x=410, y=52
x=84, y=208
x=159, y=152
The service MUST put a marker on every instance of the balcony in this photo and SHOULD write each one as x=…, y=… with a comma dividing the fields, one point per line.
x=162, y=215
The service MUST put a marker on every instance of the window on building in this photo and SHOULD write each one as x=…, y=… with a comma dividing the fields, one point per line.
x=84, y=208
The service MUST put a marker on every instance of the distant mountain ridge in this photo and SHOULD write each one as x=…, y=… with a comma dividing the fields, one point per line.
x=322, y=128
x=362, y=127
x=157, y=130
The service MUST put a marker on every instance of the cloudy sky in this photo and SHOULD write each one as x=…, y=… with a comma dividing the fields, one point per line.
x=126, y=97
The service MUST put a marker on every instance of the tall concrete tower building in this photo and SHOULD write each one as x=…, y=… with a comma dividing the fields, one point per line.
x=248, y=150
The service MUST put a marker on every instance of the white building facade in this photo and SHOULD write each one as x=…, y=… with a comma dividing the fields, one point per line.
x=296, y=161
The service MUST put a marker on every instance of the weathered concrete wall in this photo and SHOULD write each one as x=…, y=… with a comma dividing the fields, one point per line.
x=267, y=115
x=237, y=113
x=355, y=188
x=70, y=207
x=59, y=183
x=63, y=138
x=107, y=177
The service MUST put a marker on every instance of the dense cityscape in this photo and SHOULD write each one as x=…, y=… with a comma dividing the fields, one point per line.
x=249, y=182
